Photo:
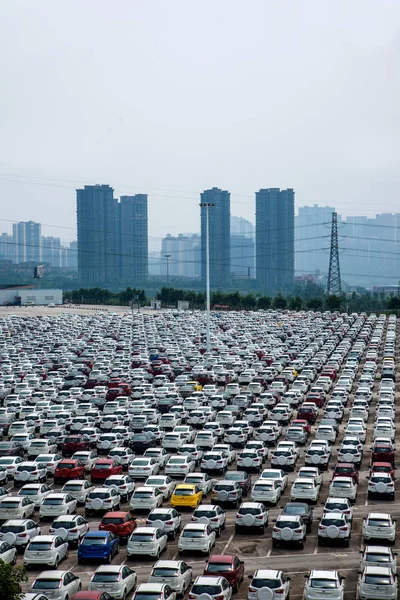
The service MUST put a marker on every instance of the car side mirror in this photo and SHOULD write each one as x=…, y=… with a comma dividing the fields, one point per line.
x=249, y=576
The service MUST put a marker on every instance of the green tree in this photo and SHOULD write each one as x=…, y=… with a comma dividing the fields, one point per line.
x=296, y=303
x=11, y=578
x=394, y=303
x=314, y=304
x=333, y=302
x=264, y=302
x=279, y=302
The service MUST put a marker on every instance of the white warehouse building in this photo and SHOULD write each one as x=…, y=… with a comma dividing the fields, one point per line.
x=14, y=295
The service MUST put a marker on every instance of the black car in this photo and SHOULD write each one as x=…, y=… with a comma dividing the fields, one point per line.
x=139, y=442
x=242, y=477
x=302, y=509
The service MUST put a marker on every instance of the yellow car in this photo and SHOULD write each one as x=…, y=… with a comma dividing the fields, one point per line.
x=186, y=495
x=195, y=385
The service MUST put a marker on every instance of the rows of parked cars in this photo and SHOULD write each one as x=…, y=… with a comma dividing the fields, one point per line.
x=122, y=410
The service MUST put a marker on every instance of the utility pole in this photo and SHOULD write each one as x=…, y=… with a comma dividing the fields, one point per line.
x=167, y=256
x=207, y=206
x=334, y=282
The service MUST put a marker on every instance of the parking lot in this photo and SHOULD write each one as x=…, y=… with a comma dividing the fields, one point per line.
x=34, y=343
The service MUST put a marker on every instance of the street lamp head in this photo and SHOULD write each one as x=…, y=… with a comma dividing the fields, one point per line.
x=167, y=256
x=207, y=204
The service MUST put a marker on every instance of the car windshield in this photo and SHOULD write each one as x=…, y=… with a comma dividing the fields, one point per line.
x=378, y=579
x=376, y=557
x=378, y=522
x=142, y=537
x=100, y=577
x=217, y=567
x=46, y=584
x=183, y=492
x=272, y=584
x=38, y=546
x=212, y=590
x=328, y=584
x=193, y=533
x=93, y=541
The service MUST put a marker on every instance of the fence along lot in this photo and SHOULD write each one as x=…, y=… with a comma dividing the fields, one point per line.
x=115, y=347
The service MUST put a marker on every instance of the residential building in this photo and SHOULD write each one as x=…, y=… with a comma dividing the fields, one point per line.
x=133, y=227
x=274, y=238
x=183, y=253
x=6, y=246
x=242, y=256
x=98, y=235
x=312, y=238
x=50, y=250
x=27, y=242
x=241, y=226
x=219, y=237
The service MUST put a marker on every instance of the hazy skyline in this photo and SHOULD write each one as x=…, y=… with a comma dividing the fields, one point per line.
x=171, y=98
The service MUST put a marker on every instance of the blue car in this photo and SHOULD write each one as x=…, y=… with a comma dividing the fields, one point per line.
x=98, y=545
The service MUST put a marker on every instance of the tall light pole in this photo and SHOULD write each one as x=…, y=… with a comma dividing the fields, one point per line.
x=207, y=206
x=167, y=256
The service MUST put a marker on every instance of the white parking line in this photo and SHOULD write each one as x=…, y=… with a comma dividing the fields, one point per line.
x=227, y=543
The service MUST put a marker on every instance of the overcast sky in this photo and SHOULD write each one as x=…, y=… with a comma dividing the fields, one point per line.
x=171, y=97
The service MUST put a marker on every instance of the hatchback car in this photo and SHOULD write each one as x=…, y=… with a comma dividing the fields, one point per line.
x=150, y=541
x=117, y=580
x=16, y=507
x=98, y=545
x=57, y=585
x=211, y=586
x=377, y=582
x=46, y=550
x=276, y=582
x=197, y=537
x=176, y=573
x=379, y=526
x=55, y=505
x=70, y=527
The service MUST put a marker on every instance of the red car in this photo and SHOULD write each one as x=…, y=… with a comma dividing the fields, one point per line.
x=346, y=470
x=119, y=523
x=302, y=423
x=103, y=468
x=382, y=452
x=74, y=443
x=228, y=566
x=69, y=469
x=316, y=398
x=308, y=413
x=383, y=467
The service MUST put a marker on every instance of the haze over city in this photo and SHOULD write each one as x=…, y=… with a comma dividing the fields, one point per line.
x=171, y=98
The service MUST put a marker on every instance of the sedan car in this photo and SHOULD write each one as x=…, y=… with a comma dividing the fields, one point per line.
x=146, y=498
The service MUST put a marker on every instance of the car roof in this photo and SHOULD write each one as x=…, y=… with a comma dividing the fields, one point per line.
x=378, y=549
x=53, y=574
x=266, y=574
x=221, y=558
x=376, y=515
x=97, y=533
x=369, y=570
x=117, y=513
x=320, y=574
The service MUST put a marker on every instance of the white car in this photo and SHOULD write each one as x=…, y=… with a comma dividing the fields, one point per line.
x=57, y=504
x=259, y=447
x=251, y=515
x=16, y=507
x=326, y=432
x=284, y=458
x=289, y=529
x=146, y=498
x=8, y=553
x=123, y=484
x=141, y=468
x=317, y=456
x=212, y=587
x=57, y=585
x=310, y=473
x=159, y=455
x=173, y=441
x=30, y=472
x=379, y=526
x=49, y=461
x=35, y=492
x=334, y=527
x=102, y=499
x=187, y=431
x=214, y=461
x=117, y=580
x=203, y=481
x=78, y=489
x=40, y=446
x=210, y=514
x=266, y=490
x=86, y=457
x=322, y=584
x=163, y=482
x=277, y=583
x=277, y=474
x=249, y=460
x=341, y=505
x=377, y=582
x=70, y=527
x=149, y=541
x=378, y=556
x=226, y=450
x=179, y=465
x=18, y=532
x=305, y=488
x=166, y=519
x=196, y=537
x=343, y=487
x=46, y=550
x=176, y=573
x=206, y=439
x=350, y=454
x=356, y=429
x=381, y=485
x=162, y=591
